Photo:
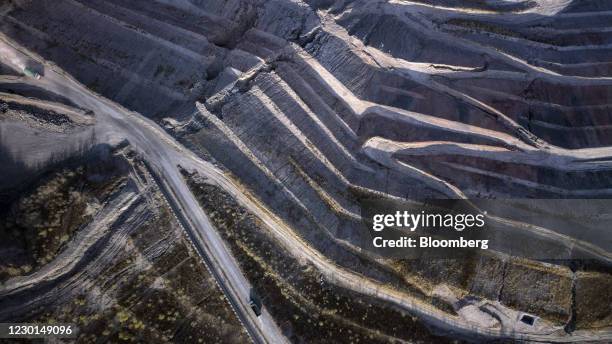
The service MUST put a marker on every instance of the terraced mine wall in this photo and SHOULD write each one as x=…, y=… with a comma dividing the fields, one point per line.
x=308, y=307
x=366, y=99
x=275, y=136
x=327, y=232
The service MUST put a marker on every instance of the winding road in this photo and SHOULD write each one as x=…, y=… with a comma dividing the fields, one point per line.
x=164, y=155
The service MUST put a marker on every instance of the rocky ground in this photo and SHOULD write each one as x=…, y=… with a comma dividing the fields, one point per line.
x=89, y=239
x=312, y=106
x=308, y=308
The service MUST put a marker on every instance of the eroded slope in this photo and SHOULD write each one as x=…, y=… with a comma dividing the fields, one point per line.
x=313, y=105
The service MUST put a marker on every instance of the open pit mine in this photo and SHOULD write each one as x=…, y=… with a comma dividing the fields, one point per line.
x=194, y=171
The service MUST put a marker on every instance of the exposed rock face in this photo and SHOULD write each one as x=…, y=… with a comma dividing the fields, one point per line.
x=520, y=74
x=313, y=105
x=310, y=308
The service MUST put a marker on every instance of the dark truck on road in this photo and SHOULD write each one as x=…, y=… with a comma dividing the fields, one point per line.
x=255, y=302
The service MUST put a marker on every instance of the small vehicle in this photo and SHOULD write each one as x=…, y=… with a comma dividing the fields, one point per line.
x=528, y=319
x=31, y=73
x=255, y=302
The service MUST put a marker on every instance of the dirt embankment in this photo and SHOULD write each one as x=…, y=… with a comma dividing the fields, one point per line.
x=41, y=216
x=307, y=307
x=139, y=279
